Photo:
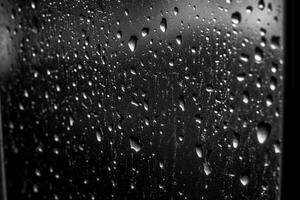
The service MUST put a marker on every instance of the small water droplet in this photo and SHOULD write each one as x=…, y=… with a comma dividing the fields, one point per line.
x=180, y=138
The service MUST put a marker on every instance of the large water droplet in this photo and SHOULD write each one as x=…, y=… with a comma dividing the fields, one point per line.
x=176, y=10
x=236, y=17
x=179, y=39
x=275, y=42
x=132, y=43
x=163, y=25
x=206, y=169
x=181, y=103
x=263, y=130
x=71, y=121
x=245, y=97
x=134, y=144
x=235, y=140
x=244, y=57
x=244, y=180
x=145, y=32
x=199, y=151
x=98, y=136
x=119, y=34
x=261, y=4
x=258, y=55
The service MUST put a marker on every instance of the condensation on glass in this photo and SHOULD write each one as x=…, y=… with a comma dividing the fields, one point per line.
x=135, y=99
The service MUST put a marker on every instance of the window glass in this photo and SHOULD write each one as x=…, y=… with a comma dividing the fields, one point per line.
x=134, y=99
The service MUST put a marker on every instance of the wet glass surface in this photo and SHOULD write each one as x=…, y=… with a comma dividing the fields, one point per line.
x=134, y=99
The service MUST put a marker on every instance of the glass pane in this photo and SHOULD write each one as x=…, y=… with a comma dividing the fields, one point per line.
x=131, y=99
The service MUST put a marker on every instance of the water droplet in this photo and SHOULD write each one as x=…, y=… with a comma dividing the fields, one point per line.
x=236, y=17
x=244, y=180
x=33, y=5
x=193, y=49
x=161, y=165
x=126, y=12
x=37, y=172
x=179, y=39
x=263, y=130
x=176, y=10
x=206, y=169
x=134, y=144
x=145, y=32
x=275, y=42
x=261, y=4
x=235, y=140
x=269, y=100
x=241, y=77
x=249, y=9
x=273, y=83
x=198, y=119
x=258, y=55
x=244, y=57
x=235, y=143
x=246, y=97
x=71, y=120
x=132, y=43
x=35, y=189
x=119, y=34
x=199, y=151
x=209, y=88
x=180, y=138
x=277, y=147
x=163, y=25
x=181, y=104
x=98, y=136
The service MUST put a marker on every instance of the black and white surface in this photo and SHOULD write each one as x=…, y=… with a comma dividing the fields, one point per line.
x=134, y=99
